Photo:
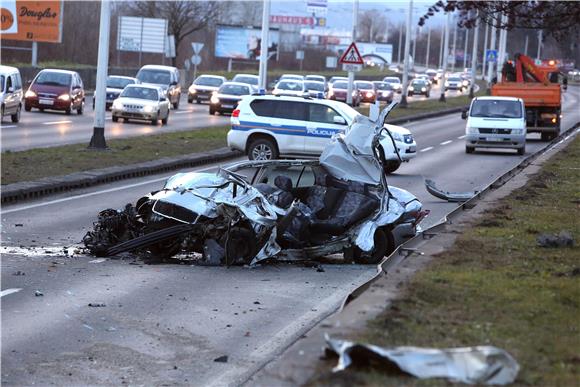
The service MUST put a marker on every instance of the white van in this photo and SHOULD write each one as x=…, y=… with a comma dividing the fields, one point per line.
x=495, y=122
x=10, y=93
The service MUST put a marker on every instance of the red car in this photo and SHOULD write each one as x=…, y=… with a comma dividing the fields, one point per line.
x=338, y=92
x=56, y=90
x=366, y=90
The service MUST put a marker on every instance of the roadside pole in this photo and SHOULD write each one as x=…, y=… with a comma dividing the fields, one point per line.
x=351, y=73
x=501, y=48
x=400, y=44
x=474, y=56
x=526, y=46
x=406, y=58
x=540, y=34
x=34, y=54
x=445, y=57
x=454, y=56
x=483, y=61
x=428, y=47
x=441, y=48
x=263, y=73
x=490, y=64
x=465, y=48
x=98, y=138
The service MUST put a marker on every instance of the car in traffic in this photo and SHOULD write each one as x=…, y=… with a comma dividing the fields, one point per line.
x=294, y=77
x=316, y=89
x=115, y=85
x=419, y=86
x=495, y=122
x=424, y=77
x=454, y=82
x=334, y=79
x=339, y=90
x=11, y=93
x=275, y=210
x=366, y=91
x=395, y=82
x=228, y=96
x=203, y=87
x=269, y=127
x=384, y=91
x=432, y=74
x=290, y=87
x=54, y=89
x=167, y=78
x=250, y=79
x=317, y=78
x=141, y=102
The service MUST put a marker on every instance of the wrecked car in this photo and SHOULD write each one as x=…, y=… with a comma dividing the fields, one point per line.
x=287, y=210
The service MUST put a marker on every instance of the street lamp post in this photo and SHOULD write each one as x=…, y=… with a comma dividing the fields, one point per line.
x=400, y=44
x=445, y=55
x=490, y=64
x=474, y=56
x=406, y=59
x=428, y=47
x=483, y=61
x=465, y=48
x=98, y=138
x=350, y=86
x=264, y=44
x=441, y=48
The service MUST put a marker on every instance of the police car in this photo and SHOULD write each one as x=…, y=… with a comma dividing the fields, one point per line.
x=266, y=127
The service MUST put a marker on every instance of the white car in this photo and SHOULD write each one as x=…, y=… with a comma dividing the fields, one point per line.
x=293, y=77
x=203, y=87
x=268, y=127
x=395, y=83
x=290, y=87
x=141, y=102
x=454, y=82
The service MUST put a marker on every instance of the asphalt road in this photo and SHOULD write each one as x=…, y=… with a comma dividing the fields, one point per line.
x=52, y=128
x=166, y=324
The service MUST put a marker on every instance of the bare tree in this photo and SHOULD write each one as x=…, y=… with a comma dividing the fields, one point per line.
x=372, y=26
x=183, y=17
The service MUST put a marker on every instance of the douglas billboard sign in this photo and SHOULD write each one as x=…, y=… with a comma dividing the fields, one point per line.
x=33, y=21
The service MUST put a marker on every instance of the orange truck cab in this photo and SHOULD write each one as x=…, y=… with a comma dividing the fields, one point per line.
x=540, y=90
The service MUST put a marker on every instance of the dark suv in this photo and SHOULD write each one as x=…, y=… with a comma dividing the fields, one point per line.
x=166, y=78
x=56, y=90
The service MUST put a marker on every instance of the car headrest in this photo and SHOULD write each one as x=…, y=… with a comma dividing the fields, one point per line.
x=283, y=182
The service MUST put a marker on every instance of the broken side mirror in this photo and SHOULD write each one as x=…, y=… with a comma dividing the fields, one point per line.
x=339, y=120
x=464, y=114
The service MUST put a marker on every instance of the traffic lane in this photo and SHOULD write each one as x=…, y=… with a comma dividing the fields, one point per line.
x=52, y=128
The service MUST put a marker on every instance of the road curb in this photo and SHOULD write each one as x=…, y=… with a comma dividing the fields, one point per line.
x=13, y=193
x=425, y=116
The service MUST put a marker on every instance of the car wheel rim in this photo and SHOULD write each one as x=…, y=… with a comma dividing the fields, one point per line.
x=262, y=152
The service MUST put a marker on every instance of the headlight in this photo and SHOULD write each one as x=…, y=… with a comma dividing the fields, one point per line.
x=354, y=93
x=423, y=89
x=148, y=108
x=369, y=94
x=214, y=99
x=410, y=88
x=192, y=90
x=64, y=97
x=465, y=83
x=446, y=84
x=30, y=94
x=274, y=92
x=117, y=104
x=330, y=93
x=470, y=130
x=517, y=131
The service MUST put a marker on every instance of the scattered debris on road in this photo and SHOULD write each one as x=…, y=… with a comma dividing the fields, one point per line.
x=471, y=365
x=97, y=305
x=19, y=273
x=562, y=239
x=448, y=196
x=221, y=359
x=38, y=293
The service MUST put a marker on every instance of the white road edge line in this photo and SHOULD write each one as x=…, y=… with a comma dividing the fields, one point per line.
x=23, y=208
x=183, y=112
x=9, y=291
x=446, y=142
x=426, y=149
x=8, y=126
x=460, y=137
x=57, y=122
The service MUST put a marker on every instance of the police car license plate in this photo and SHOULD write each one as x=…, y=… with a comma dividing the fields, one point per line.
x=46, y=101
x=412, y=149
x=494, y=139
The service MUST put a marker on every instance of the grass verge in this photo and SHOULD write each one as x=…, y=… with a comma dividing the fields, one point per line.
x=496, y=286
x=38, y=163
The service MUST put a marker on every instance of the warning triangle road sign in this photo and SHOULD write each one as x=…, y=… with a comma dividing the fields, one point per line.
x=351, y=55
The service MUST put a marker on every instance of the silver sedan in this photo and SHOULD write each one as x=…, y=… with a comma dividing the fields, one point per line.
x=141, y=102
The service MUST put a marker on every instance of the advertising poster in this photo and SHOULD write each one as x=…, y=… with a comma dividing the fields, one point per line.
x=34, y=21
x=243, y=42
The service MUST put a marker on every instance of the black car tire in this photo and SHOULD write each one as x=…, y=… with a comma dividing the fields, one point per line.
x=384, y=245
x=176, y=104
x=16, y=116
x=391, y=166
x=165, y=120
x=27, y=107
x=211, y=111
x=67, y=111
x=263, y=145
x=155, y=120
x=115, y=118
x=189, y=100
x=81, y=108
x=469, y=149
x=410, y=94
x=427, y=94
x=522, y=151
x=197, y=100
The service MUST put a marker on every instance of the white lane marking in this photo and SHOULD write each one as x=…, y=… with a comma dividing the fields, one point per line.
x=446, y=142
x=9, y=291
x=183, y=112
x=8, y=126
x=460, y=137
x=82, y=196
x=57, y=122
x=99, y=260
x=426, y=149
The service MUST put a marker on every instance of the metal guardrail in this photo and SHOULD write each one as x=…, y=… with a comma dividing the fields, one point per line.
x=410, y=247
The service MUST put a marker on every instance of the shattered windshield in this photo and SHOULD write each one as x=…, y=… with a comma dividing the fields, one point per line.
x=496, y=108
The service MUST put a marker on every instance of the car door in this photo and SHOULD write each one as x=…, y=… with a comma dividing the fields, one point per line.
x=321, y=127
x=10, y=97
x=76, y=91
x=287, y=122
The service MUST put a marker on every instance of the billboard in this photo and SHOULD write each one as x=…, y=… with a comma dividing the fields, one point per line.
x=32, y=21
x=142, y=34
x=243, y=42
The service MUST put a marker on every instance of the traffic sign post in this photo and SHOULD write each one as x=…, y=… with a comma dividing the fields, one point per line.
x=351, y=61
x=491, y=55
x=196, y=58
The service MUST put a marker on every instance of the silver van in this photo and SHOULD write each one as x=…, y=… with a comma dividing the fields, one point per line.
x=10, y=93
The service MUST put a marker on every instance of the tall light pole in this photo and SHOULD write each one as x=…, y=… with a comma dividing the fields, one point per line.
x=264, y=44
x=501, y=47
x=428, y=47
x=483, y=61
x=491, y=47
x=98, y=138
x=445, y=57
x=540, y=35
x=526, y=46
x=350, y=87
x=406, y=59
x=400, y=44
x=474, y=56
x=454, y=56
x=465, y=48
x=414, y=37
x=441, y=48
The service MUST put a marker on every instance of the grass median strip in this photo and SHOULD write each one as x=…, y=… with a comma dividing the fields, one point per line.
x=62, y=160
x=497, y=286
